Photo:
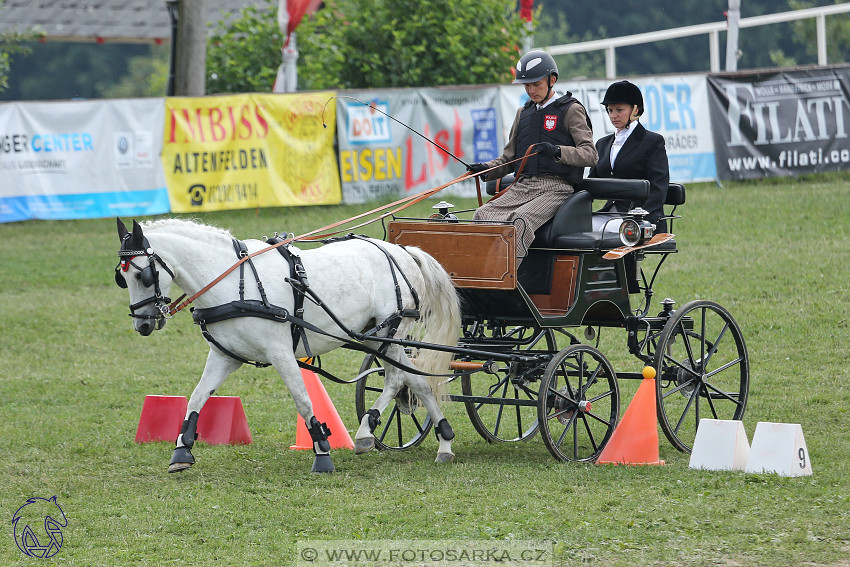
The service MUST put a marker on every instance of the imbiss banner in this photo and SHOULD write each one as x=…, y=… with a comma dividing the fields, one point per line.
x=380, y=157
x=245, y=151
x=781, y=124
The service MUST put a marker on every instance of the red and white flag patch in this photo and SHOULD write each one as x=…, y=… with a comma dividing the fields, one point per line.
x=550, y=122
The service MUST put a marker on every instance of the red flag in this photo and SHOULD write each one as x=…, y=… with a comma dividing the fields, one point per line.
x=525, y=7
x=297, y=9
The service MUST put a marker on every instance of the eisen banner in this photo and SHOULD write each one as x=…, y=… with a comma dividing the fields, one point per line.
x=379, y=157
x=85, y=159
x=675, y=106
x=781, y=124
x=246, y=151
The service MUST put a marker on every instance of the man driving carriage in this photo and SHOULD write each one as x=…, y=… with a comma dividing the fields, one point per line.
x=558, y=132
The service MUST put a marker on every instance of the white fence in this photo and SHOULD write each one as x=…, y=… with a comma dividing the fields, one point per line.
x=711, y=29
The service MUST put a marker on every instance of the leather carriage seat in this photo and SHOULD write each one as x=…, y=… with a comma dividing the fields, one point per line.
x=571, y=227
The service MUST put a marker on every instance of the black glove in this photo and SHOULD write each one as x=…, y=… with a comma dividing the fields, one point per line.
x=476, y=167
x=546, y=149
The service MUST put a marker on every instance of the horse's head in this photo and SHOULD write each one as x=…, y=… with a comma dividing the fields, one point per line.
x=137, y=271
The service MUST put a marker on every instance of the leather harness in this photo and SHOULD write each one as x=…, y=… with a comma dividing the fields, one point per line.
x=297, y=279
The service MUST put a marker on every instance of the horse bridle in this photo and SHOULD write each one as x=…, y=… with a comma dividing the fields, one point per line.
x=149, y=276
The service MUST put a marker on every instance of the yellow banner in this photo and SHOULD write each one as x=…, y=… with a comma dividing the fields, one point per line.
x=252, y=150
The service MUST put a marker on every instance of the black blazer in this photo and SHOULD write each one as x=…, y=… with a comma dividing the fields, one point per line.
x=643, y=156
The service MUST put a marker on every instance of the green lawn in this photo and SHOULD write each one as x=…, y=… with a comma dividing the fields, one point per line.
x=776, y=254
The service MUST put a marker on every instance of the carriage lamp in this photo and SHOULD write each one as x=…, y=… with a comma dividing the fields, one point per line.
x=443, y=212
x=644, y=230
x=630, y=232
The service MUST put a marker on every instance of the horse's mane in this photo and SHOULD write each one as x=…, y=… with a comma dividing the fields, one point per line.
x=187, y=226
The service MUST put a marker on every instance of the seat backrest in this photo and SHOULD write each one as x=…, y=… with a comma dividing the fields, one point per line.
x=573, y=216
x=617, y=189
x=675, y=194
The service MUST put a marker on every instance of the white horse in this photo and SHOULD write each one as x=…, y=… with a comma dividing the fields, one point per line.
x=369, y=286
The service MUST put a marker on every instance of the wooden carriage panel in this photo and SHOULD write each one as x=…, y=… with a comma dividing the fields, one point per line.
x=563, y=292
x=481, y=256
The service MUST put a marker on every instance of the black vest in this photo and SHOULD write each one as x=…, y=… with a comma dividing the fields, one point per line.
x=547, y=125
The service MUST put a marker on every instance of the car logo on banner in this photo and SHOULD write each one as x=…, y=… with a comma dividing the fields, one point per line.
x=550, y=122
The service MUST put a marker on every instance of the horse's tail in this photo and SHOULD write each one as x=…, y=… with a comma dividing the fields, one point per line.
x=439, y=310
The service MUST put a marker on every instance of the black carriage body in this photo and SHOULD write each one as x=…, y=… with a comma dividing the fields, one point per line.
x=517, y=380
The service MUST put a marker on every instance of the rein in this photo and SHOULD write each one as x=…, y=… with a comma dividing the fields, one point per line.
x=317, y=234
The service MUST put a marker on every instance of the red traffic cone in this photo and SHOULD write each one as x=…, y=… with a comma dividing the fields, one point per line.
x=161, y=418
x=324, y=410
x=635, y=440
x=222, y=421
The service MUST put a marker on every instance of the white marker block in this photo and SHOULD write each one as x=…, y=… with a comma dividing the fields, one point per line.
x=720, y=445
x=779, y=448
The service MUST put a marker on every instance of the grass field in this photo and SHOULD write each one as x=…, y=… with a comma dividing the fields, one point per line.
x=74, y=376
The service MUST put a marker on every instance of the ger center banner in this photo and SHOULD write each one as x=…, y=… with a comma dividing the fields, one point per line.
x=252, y=150
x=80, y=159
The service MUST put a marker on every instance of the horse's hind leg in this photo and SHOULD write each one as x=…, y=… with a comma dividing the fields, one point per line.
x=442, y=429
x=364, y=439
x=216, y=371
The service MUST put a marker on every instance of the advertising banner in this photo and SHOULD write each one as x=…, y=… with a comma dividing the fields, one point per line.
x=675, y=106
x=380, y=157
x=246, y=151
x=781, y=124
x=82, y=159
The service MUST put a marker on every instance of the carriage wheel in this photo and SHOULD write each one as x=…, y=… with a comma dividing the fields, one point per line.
x=702, y=371
x=579, y=403
x=404, y=423
x=497, y=421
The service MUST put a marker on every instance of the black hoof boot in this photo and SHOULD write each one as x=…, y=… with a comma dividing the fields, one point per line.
x=319, y=433
x=182, y=457
x=181, y=460
x=323, y=464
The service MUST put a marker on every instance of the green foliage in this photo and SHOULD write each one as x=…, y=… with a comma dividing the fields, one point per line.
x=837, y=34
x=384, y=43
x=147, y=76
x=10, y=45
x=761, y=47
x=59, y=70
x=243, y=54
x=553, y=29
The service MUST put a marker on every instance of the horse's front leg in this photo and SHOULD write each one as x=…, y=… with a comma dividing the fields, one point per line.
x=218, y=367
x=289, y=371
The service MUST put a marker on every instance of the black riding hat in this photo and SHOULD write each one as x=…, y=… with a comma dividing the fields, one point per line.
x=624, y=92
x=534, y=66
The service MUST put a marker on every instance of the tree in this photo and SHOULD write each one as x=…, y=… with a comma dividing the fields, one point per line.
x=243, y=53
x=386, y=43
x=11, y=44
x=147, y=76
x=370, y=44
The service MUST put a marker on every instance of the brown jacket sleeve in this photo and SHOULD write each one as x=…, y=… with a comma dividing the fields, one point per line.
x=584, y=153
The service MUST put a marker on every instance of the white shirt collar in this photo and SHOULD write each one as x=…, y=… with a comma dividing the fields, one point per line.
x=623, y=135
x=552, y=99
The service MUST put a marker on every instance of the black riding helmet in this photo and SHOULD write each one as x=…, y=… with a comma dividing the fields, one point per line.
x=624, y=92
x=534, y=66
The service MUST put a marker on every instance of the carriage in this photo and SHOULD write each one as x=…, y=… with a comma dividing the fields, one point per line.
x=531, y=335
x=528, y=357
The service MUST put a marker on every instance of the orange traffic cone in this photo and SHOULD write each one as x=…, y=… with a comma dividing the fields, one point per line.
x=635, y=440
x=324, y=410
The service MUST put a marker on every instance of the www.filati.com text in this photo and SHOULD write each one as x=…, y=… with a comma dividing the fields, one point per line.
x=790, y=158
